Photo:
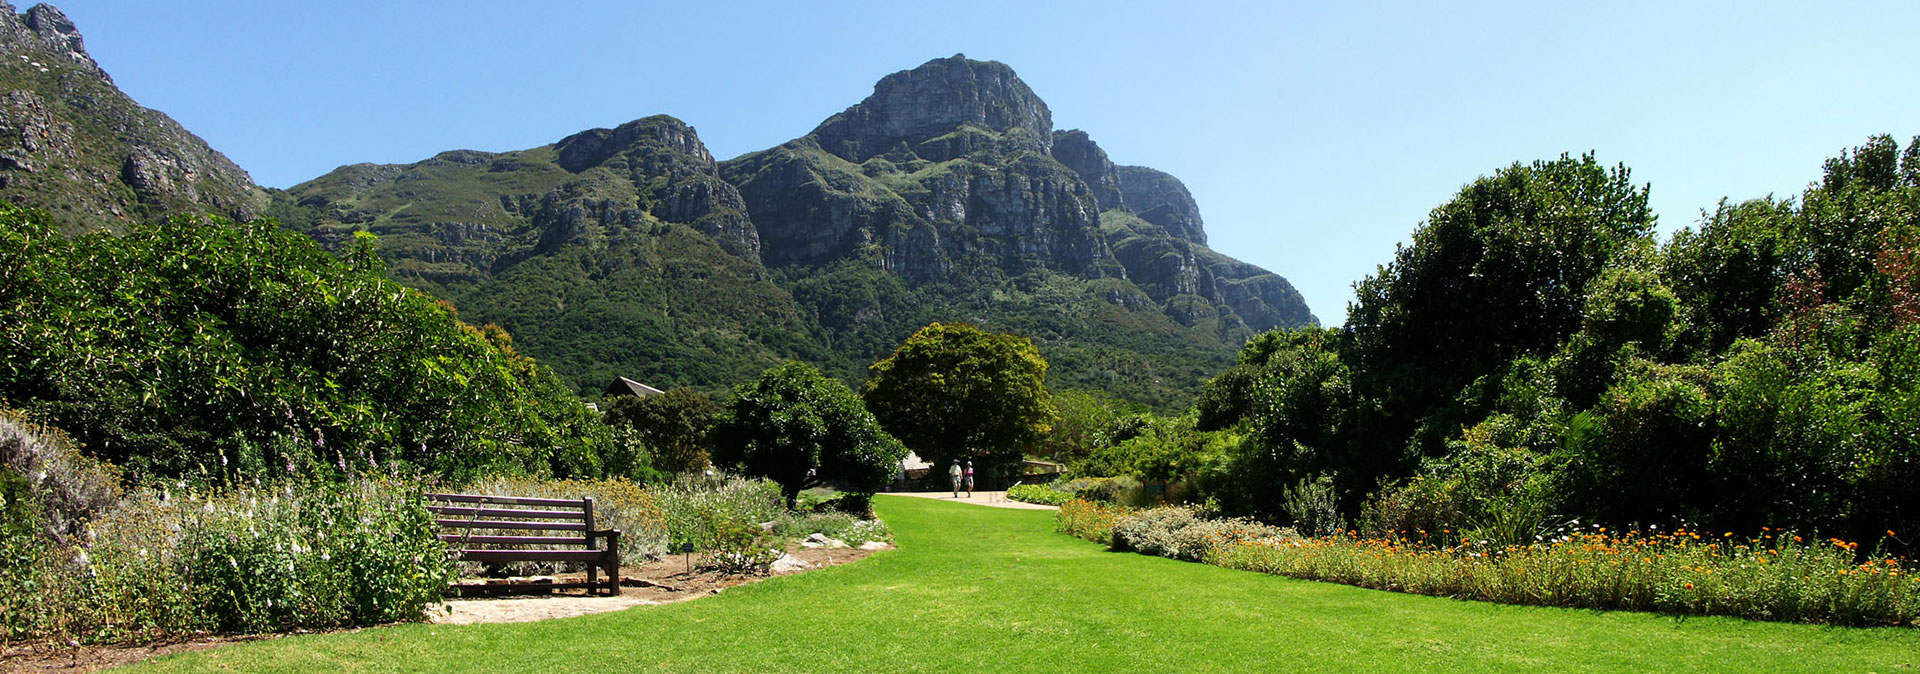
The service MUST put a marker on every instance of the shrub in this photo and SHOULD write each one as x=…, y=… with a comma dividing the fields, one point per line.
x=739, y=549
x=1089, y=520
x=1036, y=493
x=68, y=487
x=1153, y=532
x=1314, y=506
x=160, y=565
x=692, y=503
x=844, y=527
x=1186, y=534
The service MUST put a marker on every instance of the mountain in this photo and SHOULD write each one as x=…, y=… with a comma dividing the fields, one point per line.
x=946, y=195
x=73, y=144
x=613, y=252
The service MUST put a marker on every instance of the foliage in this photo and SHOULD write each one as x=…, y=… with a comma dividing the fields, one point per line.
x=673, y=426
x=696, y=506
x=1497, y=272
x=800, y=429
x=66, y=488
x=1772, y=576
x=161, y=565
x=1314, y=507
x=233, y=351
x=1534, y=356
x=1090, y=520
x=1083, y=423
x=844, y=527
x=739, y=548
x=1187, y=534
x=1039, y=493
x=954, y=391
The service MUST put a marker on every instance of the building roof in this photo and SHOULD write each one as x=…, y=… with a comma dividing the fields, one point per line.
x=622, y=386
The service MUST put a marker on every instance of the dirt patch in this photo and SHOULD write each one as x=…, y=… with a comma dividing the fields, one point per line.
x=658, y=582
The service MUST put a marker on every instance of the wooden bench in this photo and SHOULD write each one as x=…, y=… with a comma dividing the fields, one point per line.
x=573, y=518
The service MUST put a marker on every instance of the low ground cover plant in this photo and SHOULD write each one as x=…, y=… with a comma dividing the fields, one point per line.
x=1089, y=520
x=843, y=527
x=1774, y=576
x=1039, y=493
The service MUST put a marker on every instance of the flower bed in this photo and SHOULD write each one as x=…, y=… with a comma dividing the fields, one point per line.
x=1774, y=576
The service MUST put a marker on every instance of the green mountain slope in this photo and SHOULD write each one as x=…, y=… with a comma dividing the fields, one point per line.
x=630, y=251
x=73, y=144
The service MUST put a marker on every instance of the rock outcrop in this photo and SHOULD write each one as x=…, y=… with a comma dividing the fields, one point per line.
x=946, y=195
x=73, y=144
x=952, y=173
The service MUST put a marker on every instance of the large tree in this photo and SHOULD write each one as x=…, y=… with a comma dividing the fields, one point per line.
x=954, y=391
x=800, y=429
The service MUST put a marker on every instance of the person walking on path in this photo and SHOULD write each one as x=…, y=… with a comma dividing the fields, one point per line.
x=969, y=479
x=955, y=473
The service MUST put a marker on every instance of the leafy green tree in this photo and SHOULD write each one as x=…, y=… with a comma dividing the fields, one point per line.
x=954, y=391
x=1495, y=273
x=674, y=426
x=800, y=429
x=1727, y=274
x=1083, y=421
x=241, y=350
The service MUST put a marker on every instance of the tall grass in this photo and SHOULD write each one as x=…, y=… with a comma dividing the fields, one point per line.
x=162, y=564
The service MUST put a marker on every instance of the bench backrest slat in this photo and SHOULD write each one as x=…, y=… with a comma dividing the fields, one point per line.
x=509, y=512
x=505, y=500
x=510, y=524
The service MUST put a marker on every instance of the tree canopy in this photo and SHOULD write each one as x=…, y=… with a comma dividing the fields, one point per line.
x=954, y=391
x=674, y=426
x=800, y=429
x=235, y=350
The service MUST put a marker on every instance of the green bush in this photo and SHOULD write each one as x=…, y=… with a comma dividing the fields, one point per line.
x=693, y=504
x=843, y=527
x=1089, y=520
x=1037, y=493
x=160, y=565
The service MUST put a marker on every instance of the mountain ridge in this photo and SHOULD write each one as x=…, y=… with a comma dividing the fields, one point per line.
x=630, y=250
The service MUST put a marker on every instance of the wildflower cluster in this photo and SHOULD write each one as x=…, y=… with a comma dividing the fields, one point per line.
x=172, y=562
x=1089, y=520
x=1774, y=576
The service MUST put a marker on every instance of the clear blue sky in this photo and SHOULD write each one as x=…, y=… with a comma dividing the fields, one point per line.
x=1314, y=136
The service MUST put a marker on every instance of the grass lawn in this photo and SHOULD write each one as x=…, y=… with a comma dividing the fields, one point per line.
x=986, y=589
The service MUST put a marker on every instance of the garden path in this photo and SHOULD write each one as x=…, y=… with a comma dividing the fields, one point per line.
x=994, y=499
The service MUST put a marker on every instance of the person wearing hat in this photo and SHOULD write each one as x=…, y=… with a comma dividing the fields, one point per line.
x=969, y=478
x=954, y=473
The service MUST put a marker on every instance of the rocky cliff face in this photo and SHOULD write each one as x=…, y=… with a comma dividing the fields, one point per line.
x=72, y=143
x=951, y=172
x=946, y=195
x=918, y=112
